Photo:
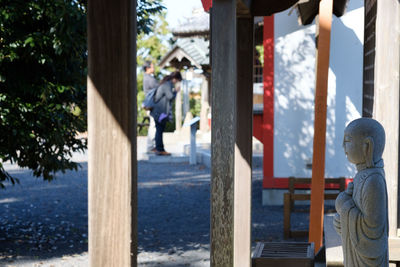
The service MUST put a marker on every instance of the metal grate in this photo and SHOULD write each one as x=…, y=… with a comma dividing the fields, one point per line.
x=286, y=250
x=283, y=254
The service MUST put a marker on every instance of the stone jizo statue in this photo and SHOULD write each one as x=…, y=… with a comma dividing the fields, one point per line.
x=362, y=210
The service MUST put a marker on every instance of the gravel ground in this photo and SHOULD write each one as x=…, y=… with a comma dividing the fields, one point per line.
x=41, y=220
x=45, y=224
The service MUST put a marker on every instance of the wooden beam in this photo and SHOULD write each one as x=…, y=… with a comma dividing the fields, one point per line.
x=321, y=93
x=243, y=8
x=243, y=147
x=112, y=133
x=386, y=96
x=232, y=57
x=268, y=8
x=369, y=57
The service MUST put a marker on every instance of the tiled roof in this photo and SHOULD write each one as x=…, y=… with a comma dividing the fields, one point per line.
x=196, y=50
x=198, y=23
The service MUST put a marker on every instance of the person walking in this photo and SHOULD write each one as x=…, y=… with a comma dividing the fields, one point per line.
x=162, y=111
x=149, y=82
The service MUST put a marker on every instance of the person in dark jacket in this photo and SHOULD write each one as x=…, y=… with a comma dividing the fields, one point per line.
x=149, y=82
x=162, y=111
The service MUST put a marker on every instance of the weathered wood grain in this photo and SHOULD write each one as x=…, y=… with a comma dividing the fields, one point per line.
x=243, y=148
x=369, y=58
x=386, y=96
x=112, y=133
x=232, y=107
x=223, y=82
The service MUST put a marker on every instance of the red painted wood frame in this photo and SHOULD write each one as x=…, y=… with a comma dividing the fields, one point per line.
x=207, y=4
x=268, y=113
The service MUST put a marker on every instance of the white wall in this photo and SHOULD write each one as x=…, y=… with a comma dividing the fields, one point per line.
x=294, y=61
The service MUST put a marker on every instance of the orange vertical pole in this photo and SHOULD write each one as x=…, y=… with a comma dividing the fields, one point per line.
x=321, y=92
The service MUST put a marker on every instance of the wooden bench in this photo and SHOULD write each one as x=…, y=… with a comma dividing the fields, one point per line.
x=291, y=196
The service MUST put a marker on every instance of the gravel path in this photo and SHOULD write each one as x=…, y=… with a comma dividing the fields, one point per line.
x=45, y=224
x=41, y=220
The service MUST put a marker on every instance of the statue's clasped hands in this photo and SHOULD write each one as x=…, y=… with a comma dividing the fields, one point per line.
x=344, y=197
x=349, y=189
x=341, y=199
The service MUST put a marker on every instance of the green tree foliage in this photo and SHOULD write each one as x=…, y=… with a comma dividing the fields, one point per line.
x=42, y=84
x=43, y=59
x=153, y=46
x=195, y=105
x=145, y=11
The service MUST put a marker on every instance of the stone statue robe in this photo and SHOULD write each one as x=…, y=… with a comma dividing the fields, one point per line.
x=363, y=220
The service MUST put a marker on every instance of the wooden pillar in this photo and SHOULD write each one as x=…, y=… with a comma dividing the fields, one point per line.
x=112, y=133
x=268, y=109
x=204, y=106
x=386, y=96
x=178, y=110
x=369, y=57
x=232, y=56
x=185, y=94
x=244, y=147
x=321, y=92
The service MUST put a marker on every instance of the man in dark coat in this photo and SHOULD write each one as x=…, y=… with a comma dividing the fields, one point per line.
x=149, y=82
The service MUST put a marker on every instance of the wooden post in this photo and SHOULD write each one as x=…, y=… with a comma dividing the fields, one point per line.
x=223, y=82
x=185, y=95
x=112, y=133
x=232, y=56
x=386, y=96
x=268, y=109
x=204, y=106
x=369, y=57
x=244, y=147
x=321, y=92
x=178, y=111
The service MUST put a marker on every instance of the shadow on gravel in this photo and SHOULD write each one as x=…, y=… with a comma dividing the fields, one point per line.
x=40, y=220
x=174, y=209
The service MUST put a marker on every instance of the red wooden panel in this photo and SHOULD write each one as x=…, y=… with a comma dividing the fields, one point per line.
x=207, y=4
x=268, y=116
x=283, y=183
x=258, y=126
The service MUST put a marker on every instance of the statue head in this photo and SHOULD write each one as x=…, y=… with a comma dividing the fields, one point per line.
x=364, y=141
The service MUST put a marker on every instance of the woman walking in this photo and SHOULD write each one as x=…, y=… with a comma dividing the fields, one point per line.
x=162, y=111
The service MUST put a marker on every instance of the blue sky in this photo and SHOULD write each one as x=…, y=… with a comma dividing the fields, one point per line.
x=178, y=9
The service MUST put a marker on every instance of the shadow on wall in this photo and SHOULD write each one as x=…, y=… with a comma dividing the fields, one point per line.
x=294, y=92
x=294, y=79
x=346, y=63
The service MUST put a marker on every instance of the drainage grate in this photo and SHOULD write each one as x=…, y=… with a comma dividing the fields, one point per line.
x=283, y=254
